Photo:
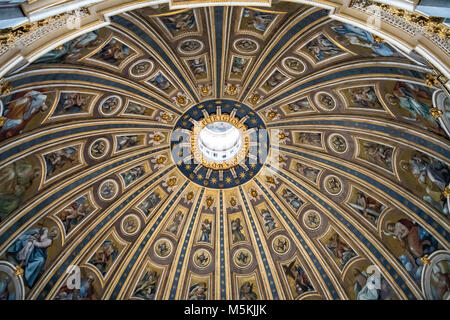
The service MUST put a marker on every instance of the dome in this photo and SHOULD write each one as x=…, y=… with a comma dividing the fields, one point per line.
x=181, y=150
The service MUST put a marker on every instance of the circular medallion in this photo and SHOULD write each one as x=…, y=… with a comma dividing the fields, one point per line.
x=141, y=68
x=202, y=258
x=245, y=46
x=242, y=258
x=12, y=285
x=312, y=220
x=99, y=148
x=130, y=224
x=333, y=185
x=190, y=46
x=337, y=143
x=220, y=144
x=281, y=244
x=110, y=105
x=293, y=65
x=163, y=248
x=435, y=275
x=108, y=189
x=325, y=101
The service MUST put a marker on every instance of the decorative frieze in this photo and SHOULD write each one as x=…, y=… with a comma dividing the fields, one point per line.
x=26, y=34
x=410, y=22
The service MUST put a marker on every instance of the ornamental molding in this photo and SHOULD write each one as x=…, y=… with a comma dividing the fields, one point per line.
x=29, y=33
x=411, y=22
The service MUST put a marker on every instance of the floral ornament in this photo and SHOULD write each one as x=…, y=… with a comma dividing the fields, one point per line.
x=232, y=89
x=253, y=194
x=272, y=181
x=272, y=114
x=5, y=88
x=189, y=197
x=233, y=203
x=282, y=159
x=283, y=136
x=205, y=90
x=170, y=183
x=159, y=161
x=255, y=98
x=210, y=202
x=156, y=138
x=180, y=99
x=164, y=117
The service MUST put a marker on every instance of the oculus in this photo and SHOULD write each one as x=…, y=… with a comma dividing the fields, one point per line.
x=219, y=141
x=219, y=144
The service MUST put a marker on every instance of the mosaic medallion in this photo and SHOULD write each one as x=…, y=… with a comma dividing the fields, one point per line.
x=337, y=143
x=333, y=185
x=242, y=258
x=220, y=144
x=108, y=189
x=99, y=148
x=110, y=105
x=325, y=101
x=163, y=248
x=130, y=224
x=202, y=258
x=281, y=244
x=312, y=220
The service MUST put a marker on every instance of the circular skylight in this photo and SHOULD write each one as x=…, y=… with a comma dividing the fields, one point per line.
x=219, y=141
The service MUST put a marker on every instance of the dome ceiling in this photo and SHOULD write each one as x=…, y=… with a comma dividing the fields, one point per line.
x=350, y=182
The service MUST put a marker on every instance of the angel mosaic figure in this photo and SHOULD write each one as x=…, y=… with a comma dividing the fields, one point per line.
x=86, y=291
x=180, y=22
x=150, y=202
x=236, y=230
x=365, y=286
x=246, y=292
x=269, y=221
x=308, y=172
x=369, y=207
x=105, y=256
x=340, y=249
x=198, y=291
x=205, y=228
x=321, y=48
x=299, y=105
x=176, y=222
x=124, y=142
x=362, y=38
x=146, y=287
x=58, y=159
x=258, y=20
x=415, y=242
x=75, y=213
x=292, y=199
x=114, y=52
x=296, y=272
x=20, y=111
x=30, y=251
x=364, y=97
